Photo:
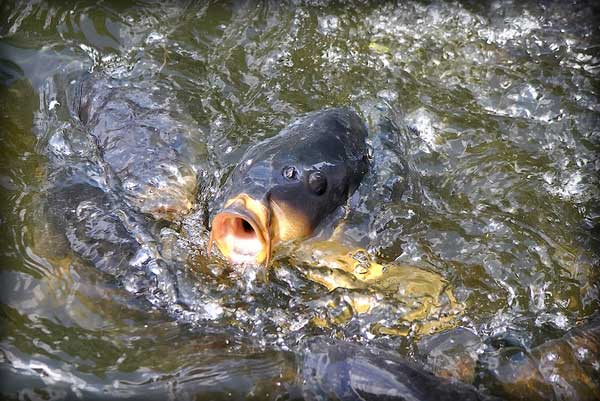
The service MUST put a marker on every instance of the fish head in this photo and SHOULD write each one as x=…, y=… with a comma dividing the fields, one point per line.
x=165, y=190
x=284, y=187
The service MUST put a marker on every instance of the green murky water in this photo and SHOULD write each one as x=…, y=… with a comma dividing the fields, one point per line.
x=485, y=125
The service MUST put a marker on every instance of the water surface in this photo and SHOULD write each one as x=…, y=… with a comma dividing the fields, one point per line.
x=484, y=121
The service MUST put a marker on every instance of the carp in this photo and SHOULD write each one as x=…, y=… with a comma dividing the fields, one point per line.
x=143, y=138
x=289, y=187
x=561, y=369
x=130, y=150
x=342, y=370
x=284, y=187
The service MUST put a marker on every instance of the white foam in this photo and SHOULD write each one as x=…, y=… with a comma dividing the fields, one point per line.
x=424, y=123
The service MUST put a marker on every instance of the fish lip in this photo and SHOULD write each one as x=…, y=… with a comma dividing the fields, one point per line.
x=235, y=254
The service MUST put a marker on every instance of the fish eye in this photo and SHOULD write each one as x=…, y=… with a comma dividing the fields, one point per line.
x=290, y=173
x=317, y=182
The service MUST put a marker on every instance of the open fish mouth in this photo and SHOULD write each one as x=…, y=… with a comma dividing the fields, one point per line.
x=241, y=232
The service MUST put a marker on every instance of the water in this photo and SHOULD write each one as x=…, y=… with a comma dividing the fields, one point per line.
x=484, y=121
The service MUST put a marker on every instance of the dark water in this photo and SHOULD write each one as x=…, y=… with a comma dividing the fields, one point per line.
x=482, y=203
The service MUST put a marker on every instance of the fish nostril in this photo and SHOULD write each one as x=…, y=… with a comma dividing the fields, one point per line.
x=290, y=173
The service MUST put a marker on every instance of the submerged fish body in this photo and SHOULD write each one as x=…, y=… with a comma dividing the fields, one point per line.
x=342, y=370
x=130, y=151
x=561, y=369
x=285, y=186
x=142, y=138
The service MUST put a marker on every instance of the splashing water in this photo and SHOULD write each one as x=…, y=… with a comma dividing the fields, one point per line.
x=483, y=120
